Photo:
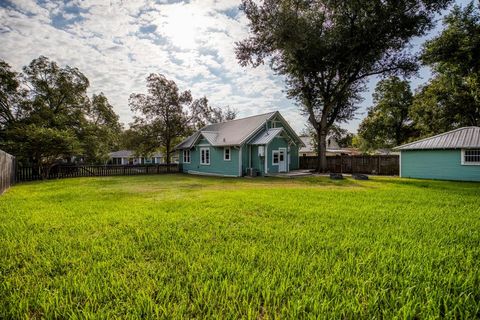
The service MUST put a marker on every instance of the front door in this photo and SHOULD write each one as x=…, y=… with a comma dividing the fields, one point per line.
x=282, y=160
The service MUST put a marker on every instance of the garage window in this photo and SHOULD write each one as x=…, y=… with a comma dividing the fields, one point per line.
x=471, y=157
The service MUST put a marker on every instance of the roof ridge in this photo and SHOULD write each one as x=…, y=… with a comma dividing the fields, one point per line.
x=256, y=115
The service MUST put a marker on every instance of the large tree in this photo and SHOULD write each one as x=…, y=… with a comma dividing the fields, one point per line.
x=165, y=115
x=11, y=97
x=160, y=118
x=327, y=49
x=451, y=99
x=387, y=123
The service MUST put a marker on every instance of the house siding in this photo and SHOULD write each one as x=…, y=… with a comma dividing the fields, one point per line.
x=294, y=161
x=217, y=164
x=437, y=164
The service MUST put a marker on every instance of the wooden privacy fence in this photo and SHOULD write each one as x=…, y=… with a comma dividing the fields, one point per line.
x=71, y=171
x=7, y=171
x=381, y=165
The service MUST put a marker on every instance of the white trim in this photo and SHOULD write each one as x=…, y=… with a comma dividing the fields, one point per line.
x=240, y=162
x=284, y=158
x=468, y=163
x=400, y=165
x=266, y=159
x=209, y=157
x=200, y=173
x=229, y=154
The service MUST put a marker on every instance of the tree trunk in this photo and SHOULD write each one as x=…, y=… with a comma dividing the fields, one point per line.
x=167, y=149
x=322, y=150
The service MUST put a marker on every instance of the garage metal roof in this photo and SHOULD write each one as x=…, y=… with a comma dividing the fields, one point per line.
x=463, y=138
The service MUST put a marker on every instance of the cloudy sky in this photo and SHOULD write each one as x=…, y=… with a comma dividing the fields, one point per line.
x=117, y=43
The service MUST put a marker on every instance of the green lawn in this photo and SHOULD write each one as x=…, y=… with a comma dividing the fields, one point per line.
x=180, y=246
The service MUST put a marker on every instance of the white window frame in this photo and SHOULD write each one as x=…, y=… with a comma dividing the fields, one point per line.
x=273, y=157
x=469, y=163
x=205, y=163
x=229, y=154
x=186, y=155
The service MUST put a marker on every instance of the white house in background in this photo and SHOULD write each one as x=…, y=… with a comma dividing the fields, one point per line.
x=332, y=147
x=128, y=157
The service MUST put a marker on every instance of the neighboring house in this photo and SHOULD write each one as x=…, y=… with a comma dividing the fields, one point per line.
x=128, y=157
x=454, y=155
x=332, y=147
x=262, y=144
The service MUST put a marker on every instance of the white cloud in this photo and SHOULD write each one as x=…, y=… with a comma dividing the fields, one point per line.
x=116, y=44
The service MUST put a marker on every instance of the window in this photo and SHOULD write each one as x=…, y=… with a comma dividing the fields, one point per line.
x=205, y=156
x=275, y=157
x=186, y=156
x=471, y=157
x=226, y=154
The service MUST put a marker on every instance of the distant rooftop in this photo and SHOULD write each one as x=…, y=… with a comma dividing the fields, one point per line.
x=128, y=154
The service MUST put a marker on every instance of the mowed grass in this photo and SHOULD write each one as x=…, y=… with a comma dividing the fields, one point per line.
x=178, y=246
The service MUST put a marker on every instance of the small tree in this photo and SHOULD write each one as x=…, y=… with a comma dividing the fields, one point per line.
x=328, y=49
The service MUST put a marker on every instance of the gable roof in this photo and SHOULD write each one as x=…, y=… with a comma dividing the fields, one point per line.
x=230, y=133
x=466, y=137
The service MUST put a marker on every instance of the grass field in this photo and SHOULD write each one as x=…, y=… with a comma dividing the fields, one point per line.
x=195, y=247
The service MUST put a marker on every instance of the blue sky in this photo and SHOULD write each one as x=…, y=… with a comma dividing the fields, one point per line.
x=117, y=43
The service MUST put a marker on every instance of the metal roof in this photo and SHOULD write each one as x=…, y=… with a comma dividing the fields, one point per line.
x=463, y=138
x=228, y=133
x=266, y=136
x=234, y=132
x=128, y=154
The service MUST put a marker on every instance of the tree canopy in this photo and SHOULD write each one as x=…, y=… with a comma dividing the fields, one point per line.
x=47, y=116
x=327, y=49
x=451, y=99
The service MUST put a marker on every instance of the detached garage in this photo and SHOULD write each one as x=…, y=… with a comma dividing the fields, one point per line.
x=454, y=155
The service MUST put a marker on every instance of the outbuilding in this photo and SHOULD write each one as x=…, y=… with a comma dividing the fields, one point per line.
x=453, y=155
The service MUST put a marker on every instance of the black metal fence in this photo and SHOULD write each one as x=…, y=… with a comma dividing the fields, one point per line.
x=71, y=171
x=7, y=171
x=380, y=165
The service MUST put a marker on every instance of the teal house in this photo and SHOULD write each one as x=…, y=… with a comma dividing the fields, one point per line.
x=454, y=155
x=259, y=145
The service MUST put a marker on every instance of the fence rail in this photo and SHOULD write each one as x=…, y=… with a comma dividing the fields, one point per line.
x=71, y=171
x=7, y=171
x=381, y=165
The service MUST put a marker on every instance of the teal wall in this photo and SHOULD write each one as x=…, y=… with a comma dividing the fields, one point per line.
x=217, y=164
x=275, y=144
x=437, y=164
x=294, y=161
x=231, y=168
